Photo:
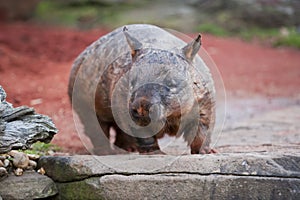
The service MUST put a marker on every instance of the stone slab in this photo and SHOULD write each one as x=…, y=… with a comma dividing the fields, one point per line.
x=75, y=168
x=30, y=185
x=214, y=176
x=181, y=186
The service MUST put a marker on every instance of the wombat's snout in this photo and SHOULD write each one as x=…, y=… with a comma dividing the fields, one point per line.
x=139, y=111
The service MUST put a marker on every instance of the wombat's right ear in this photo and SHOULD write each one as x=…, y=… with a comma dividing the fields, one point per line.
x=133, y=43
x=191, y=49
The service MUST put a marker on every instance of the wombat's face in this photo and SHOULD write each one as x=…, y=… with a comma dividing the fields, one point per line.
x=149, y=102
x=160, y=85
x=158, y=82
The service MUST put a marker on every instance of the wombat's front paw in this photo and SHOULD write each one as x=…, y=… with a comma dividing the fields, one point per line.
x=208, y=150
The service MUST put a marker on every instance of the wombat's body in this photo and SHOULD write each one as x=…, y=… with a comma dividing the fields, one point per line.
x=129, y=71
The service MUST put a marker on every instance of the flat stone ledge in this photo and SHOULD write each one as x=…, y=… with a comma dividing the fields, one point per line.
x=30, y=185
x=180, y=186
x=213, y=176
x=75, y=168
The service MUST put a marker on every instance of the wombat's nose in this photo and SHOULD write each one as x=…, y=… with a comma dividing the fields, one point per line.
x=140, y=107
x=139, y=112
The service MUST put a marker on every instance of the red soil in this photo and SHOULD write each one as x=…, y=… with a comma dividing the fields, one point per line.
x=35, y=63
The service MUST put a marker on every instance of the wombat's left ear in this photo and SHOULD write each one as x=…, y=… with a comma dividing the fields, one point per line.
x=133, y=43
x=191, y=49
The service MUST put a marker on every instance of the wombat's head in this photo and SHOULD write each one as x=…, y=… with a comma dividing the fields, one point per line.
x=160, y=81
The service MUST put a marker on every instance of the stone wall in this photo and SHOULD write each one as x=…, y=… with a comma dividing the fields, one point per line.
x=214, y=176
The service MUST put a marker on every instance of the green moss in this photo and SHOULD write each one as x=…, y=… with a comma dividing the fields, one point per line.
x=54, y=13
x=259, y=33
x=272, y=36
x=82, y=14
x=86, y=14
x=85, y=189
x=41, y=148
x=291, y=39
x=212, y=29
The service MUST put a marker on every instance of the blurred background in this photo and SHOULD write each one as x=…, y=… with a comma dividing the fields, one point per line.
x=254, y=43
x=277, y=21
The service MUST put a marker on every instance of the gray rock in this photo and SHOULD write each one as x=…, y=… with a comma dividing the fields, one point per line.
x=66, y=169
x=90, y=188
x=20, y=160
x=212, y=176
x=32, y=164
x=18, y=172
x=21, y=127
x=3, y=172
x=29, y=186
x=180, y=186
x=6, y=163
x=33, y=156
x=187, y=186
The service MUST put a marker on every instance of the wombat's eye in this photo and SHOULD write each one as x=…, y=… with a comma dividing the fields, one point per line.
x=134, y=113
x=133, y=109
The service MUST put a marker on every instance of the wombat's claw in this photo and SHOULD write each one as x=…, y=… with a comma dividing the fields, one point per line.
x=213, y=151
x=131, y=149
x=208, y=151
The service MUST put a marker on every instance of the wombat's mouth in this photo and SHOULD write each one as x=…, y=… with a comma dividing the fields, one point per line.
x=146, y=104
x=140, y=120
x=139, y=112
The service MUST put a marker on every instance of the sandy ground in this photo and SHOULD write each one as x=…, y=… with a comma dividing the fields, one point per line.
x=35, y=63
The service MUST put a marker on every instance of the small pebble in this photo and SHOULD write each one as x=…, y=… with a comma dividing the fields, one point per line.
x=3, y=171
x=1, y=163
x=32, y=164
x=20, y=160
x=18, y=172
x=6, y=163
x=2, y=157
x=13, y=153
x=51, y=152
x=33, y=156
x=41, y=171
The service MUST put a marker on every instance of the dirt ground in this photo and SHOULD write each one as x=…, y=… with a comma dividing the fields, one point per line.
x=35, y=63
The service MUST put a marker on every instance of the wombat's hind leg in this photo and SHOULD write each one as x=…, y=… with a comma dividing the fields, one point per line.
x=124, y=141
x=196, y=145
x=199, y=146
